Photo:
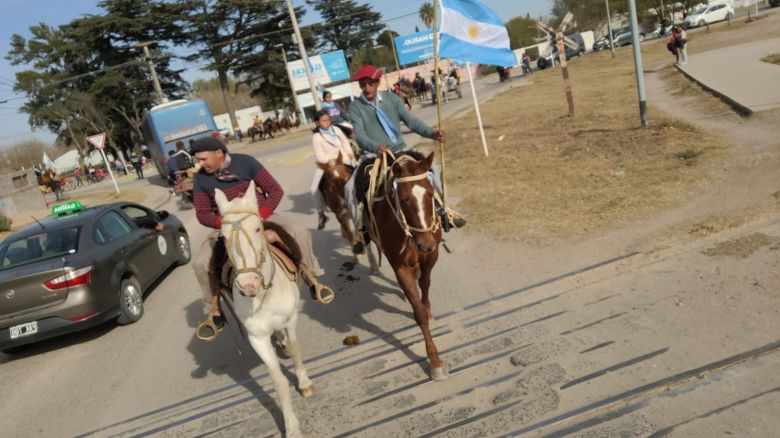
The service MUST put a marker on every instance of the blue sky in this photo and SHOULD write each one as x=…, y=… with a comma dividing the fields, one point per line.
x=19, y=15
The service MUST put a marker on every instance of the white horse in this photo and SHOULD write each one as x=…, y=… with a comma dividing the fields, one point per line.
x=266, y=301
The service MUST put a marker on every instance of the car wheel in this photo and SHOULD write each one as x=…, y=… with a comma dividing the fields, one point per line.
x=641, y=37
x=729, y=16
x=131, y=301
x=702, y=23
x=183, y=248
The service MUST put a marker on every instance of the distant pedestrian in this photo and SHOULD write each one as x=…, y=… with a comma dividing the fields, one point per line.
x=138, y=165
x=682, y=45
x=77, y=175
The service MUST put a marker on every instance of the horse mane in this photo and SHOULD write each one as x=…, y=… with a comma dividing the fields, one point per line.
x=362, y=178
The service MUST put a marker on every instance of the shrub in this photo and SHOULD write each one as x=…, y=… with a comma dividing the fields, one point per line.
x=5, y=222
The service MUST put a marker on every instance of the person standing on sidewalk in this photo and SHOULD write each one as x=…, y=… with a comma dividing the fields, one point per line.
x=138, y=166
x=681, y=42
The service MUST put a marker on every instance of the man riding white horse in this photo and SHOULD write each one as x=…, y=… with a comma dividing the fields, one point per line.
x=377, y=118
x=232, y=174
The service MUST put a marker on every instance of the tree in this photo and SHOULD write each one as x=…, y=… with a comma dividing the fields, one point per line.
x=385, y=39
x=26, y=153
x=522, y=32
x=346, y=25
x=229, y=35
x=426, y=14
x=94, y=61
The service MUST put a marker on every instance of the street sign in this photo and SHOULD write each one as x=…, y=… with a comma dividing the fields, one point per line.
x=98, y=140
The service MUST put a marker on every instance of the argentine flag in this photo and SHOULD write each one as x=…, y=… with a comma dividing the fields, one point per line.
x=470, y=31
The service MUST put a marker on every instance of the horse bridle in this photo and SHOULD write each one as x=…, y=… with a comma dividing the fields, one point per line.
x=435, y=224
x=260, y=253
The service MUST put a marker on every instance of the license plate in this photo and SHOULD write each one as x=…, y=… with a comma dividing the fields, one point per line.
x=22, y=330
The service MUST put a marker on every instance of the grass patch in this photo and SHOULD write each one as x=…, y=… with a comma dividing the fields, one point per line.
x=772, y=59
x=553, y=176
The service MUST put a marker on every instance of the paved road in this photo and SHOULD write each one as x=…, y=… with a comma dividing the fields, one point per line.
x=605, y=337
x=738, y=74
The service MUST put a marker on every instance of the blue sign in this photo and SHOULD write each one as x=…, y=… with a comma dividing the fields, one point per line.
x=325, y=69
x=414, y=47
x=336, y=65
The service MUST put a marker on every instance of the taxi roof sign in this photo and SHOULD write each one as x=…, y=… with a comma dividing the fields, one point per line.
x=66, y=208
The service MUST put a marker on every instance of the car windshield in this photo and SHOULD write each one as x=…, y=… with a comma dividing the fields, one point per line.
x=42, y=246
x=699, y=10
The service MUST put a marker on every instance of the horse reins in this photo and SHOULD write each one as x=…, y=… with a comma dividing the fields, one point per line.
x=379, y=176
x=231, y=239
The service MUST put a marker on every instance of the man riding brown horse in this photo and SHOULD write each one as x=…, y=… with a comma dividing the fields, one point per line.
x=377, y=118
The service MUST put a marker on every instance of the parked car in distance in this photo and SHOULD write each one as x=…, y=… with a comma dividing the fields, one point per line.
x=83, y=266
x=547, y=61
x=707, y=14
x=623, y=37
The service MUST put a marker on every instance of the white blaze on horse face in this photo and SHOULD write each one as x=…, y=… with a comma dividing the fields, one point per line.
x=418, y=191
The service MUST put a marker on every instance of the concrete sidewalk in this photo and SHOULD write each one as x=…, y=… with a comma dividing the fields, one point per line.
x=737, y=75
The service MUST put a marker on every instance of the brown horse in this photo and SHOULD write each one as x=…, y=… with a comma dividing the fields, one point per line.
x=408, y=231
x=332, y=186
x=256, y=131
x=50, y=180
x=285, y=124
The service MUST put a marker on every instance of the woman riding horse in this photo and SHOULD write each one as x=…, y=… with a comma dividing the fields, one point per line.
x=331, y=146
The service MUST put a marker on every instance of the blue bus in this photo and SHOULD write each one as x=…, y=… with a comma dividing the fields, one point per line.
x=180, y=120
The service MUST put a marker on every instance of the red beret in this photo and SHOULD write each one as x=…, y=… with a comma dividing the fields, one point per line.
x=368, y=72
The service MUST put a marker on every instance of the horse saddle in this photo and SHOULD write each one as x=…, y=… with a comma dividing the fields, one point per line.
x=284, y=249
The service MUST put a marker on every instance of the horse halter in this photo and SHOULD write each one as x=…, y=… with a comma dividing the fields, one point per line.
x=435, y=224
x=232, y=241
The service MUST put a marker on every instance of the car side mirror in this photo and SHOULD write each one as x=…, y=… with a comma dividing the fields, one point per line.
x=162, y=214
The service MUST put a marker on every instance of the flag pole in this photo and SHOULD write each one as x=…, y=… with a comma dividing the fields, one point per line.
x=437, y=79
x=476, y=108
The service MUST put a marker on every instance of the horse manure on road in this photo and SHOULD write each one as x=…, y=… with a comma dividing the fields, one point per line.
x=351, y=340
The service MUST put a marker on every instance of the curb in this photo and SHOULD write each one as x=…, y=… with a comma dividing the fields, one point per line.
x=738, y=107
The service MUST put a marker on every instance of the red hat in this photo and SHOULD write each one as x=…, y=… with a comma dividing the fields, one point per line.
x=368, y=72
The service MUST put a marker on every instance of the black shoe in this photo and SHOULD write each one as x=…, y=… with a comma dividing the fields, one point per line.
x=459, y=222
x=322, y=222
x=358, y=248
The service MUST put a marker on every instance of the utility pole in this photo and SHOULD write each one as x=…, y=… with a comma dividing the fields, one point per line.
x=562, y=41
x=304, y=56
x=292, y=86
x=609, y=29
x=155, y=81
x=395, y=55
x=640, y=79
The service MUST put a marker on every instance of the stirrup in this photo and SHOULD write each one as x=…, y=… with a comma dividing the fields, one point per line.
x=210, y=324
x=321, y=293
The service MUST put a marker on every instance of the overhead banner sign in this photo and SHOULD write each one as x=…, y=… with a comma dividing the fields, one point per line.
x=414, y=47
x=326, y=68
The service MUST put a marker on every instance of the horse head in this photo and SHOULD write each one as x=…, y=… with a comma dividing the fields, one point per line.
x=242, y=228
x=415, y=201
x=336, y=171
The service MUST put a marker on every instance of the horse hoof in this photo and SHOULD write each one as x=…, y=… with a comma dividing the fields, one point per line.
x=308, y=391
x=439, y=374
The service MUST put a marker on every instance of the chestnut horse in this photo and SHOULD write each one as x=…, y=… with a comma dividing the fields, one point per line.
x=406, y=228
x=332, y=186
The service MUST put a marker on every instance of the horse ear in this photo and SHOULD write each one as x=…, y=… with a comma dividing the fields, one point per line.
x=220, y=199
x=250, y=191
x=428, y=161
